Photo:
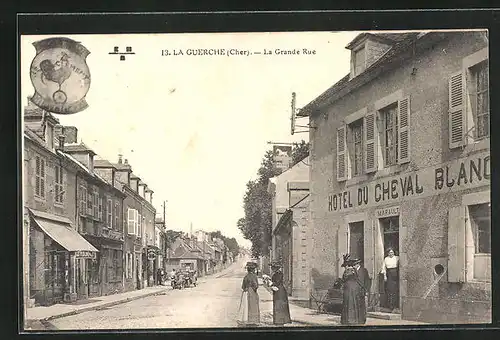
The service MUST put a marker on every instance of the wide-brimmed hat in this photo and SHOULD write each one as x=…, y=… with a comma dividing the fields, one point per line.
x=276, y=264
x=350, y=261
x=251, y=265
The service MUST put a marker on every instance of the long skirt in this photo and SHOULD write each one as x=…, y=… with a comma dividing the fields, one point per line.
x=249, y=313
x=353, y=304
x=392, y=288
x=281, y=308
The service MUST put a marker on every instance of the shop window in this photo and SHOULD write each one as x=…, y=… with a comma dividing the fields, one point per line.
x=480, y=217
x=40, y=177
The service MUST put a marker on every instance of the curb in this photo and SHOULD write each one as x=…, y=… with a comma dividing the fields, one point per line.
x=100, y=307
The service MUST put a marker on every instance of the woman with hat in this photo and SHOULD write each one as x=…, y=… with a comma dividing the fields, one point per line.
x=356, y=284
x=249, y=313
x=281, y=309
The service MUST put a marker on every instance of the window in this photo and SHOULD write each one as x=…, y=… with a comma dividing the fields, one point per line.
x=118, y=265
x=480, y=217
x=356, y=145
x=468, y=101
x=100, y=209
x=131, y=221
x=359, y=61
x=390, y=134
x=90, y=197
x=481, y=109
x=117, y=217
x=40, y=177
x=139, y=225
x=59, y=193
x=95, y=203
x=83, y=200
x=109, y=221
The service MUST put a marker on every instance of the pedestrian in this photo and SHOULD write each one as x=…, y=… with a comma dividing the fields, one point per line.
x=390, y=270
x=356, y=285
x=249, y=312
x=281, y=308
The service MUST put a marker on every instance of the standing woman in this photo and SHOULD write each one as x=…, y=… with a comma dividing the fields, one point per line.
x=249, y=313
x=390, y=269
x=281, y=309
x=355, y=281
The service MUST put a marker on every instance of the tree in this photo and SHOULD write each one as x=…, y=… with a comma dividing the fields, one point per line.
x=171, y=236
x=300, y=151
x=231, y=243
x=256, y=226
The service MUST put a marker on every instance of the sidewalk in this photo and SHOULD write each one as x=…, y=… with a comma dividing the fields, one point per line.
x=62, y=310
x=306, y=316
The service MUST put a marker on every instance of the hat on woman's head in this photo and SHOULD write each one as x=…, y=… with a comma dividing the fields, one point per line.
x=251, y=265
x=276, y=264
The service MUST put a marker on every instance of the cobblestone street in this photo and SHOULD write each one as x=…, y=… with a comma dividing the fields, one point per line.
x=213, y=303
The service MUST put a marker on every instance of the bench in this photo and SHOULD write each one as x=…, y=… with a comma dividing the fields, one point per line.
x=323, y=299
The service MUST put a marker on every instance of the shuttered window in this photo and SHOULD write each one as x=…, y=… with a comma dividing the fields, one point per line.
x=390, y=134
x=131, y=221
x=341, y=154
x=90, y=196
x=456, y=245
x=83, y=200
x=480, y=96
x=139, y=225
x=456, y=113
x=59, y=194
x=100, y=209
x=370, y=142
x=40, y=177
x=356, y=131
x=403, y=154
x=109, y=213
x=117, y=217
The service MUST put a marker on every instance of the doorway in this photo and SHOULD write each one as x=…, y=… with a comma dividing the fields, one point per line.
x=389, y=227
x=357, y=240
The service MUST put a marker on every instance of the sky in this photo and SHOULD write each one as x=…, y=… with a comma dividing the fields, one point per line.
x=194, y=128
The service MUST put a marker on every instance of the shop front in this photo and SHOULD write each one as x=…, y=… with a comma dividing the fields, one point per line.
x=437, y=223
x=57, y=251
x=283, y=234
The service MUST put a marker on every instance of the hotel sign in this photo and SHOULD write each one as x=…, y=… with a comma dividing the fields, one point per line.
x=465, y=173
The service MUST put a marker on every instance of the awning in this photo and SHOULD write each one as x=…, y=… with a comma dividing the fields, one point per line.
x=283, y=221
x=59, y=229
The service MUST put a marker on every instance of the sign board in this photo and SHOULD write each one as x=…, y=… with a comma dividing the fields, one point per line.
x=460, y=174
x=82, y=254
x=282, y=156
x=387, y=212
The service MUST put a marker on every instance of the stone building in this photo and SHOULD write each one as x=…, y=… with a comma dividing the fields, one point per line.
x=400, y=157
x=290, y=232
x=55, y=252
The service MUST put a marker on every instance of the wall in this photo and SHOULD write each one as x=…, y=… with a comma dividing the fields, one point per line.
x=300, y=226
x=424, y=228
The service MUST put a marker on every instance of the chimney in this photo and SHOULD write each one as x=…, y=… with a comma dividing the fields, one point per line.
x=119, y=158
x=61, y=142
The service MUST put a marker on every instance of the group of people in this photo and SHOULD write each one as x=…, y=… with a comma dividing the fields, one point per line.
x=356, y=285
x=249, y=310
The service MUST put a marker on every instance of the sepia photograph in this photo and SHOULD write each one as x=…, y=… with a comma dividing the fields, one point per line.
x=255, y=179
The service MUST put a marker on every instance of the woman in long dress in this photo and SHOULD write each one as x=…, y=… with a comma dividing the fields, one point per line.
x=355, y=286
x=249, y=313
x=281, y=308
x=390, y=269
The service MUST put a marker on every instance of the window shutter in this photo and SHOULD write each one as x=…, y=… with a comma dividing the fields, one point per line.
x=136, y=221
x=341, y=153
x=100, y=208
x=456, y=113
x=404, y=130
x=117, y=225
x=341, y=246
x=42, y=177
x=131, y=221
x=456, y=245
x=370, y=130
x=37, y=176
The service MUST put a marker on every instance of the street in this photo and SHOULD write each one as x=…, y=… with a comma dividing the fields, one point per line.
x=213, y=302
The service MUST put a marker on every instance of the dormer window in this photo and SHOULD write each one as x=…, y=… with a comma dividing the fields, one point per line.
x=49, y=135
x=359, y=60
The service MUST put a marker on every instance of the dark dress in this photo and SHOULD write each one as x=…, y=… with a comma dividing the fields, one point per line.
x=281, y=309
x=356, y=283
x=250, y=285
x=392, y=287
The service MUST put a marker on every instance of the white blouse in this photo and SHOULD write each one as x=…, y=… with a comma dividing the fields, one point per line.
x=389, y=263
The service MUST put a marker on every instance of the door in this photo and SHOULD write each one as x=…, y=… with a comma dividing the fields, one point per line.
x=390, y=232
x=357, y=240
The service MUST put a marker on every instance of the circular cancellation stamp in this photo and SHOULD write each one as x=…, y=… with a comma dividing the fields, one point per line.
x=60, y=75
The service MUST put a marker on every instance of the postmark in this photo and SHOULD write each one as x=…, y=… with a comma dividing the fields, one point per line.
x=60, y=75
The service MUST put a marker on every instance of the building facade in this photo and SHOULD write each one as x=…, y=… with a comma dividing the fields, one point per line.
x=56, y=251
x=290, y=221
x=409, y=169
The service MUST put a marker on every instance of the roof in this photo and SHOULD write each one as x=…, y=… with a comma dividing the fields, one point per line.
x=103, y=163
x=388, y=38
x=402, y=44
x=78, y=148
x=59, y=229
